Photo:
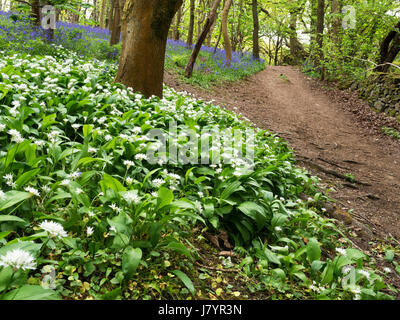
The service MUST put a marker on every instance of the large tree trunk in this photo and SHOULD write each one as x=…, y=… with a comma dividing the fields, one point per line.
x=145, y=25
x=390, y=48
x=189, y=41
x=256, y=27
x=209, y=21
x=224, y=24
x=116, y=24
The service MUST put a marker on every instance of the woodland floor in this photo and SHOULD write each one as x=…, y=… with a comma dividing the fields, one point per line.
x=333, y=135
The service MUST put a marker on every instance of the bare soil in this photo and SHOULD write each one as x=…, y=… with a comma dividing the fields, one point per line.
x=335, y=136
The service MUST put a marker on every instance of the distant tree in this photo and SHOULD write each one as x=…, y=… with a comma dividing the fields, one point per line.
x=116, y=23
x=256, y=28
x=225, y=33
x=209, y=21
x=189, y=41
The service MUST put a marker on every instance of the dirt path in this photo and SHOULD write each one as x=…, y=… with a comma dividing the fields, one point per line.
x=329, y=140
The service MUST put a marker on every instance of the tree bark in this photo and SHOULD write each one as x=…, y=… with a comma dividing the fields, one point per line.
x=256, y=27
x=145, y=25
x=336, y=22
x=36, y=12
x=110, y=15
x=224, y=24
x=116, y=24
x=103, y=14
x=390, y=48
x=189, y=41
x=177, y=24
x=209, y=21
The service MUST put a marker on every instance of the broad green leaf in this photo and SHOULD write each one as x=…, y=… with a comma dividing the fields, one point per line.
x=7, y=218
x=112, y=295
x=389, y=255
x=231, y=188
x=313, y=250
x=186, y=280
x=5, y=277
x=165, y=197
x=327, y=274
x=30, y=292
x=271, y=256
x=26, y=177
x=355, y=254
x=13, y=197
x=87, y=129
x=110, y=182
x=254, y=211
x=23, y=245
x=179, y=247
x=130, y=261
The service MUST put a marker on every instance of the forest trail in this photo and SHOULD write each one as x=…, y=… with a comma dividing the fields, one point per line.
x=328, y=140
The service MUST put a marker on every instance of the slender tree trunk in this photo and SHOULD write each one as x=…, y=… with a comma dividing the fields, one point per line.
x=210, y=33
x=218, y=40
x=224, y=24
x=191, y=24
x=145, y=25
x=320, y=35
x=116, y=24
x=336, y=22
x=256, y=27
x=209, y=21
x=177, y=24
x=103, y=14
x=238, y=33
x=111, y=15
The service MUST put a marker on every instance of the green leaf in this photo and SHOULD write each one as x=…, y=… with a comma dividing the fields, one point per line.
x=13, y=197
x=23, y=245
x=389, y=255
x=4, y=218
x=271, y=256
x=327, y=275
x=87, y=160
x=130, y=261
x=231, y=188
x=313, y=250
x=87, y=129
x=4, y=234
x=112, y=295
x=165, y=197
x=254, y=211
x=186, y=280
x=109, y=182
x=155, y=233
x=5, y=277
x=30, y=292
x=26, y=177
x=179, y=247
x=355, y=254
